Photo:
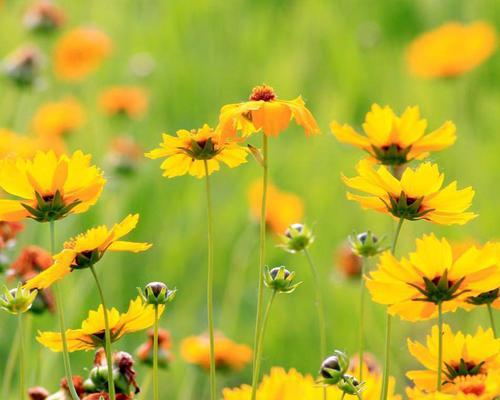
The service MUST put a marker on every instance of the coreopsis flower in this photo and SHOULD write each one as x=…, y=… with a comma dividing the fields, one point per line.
x=56, y=119
x=138, y=317
x=124, y=155
x=451, y=50
x=346, y=261
x=43, y=16
x=229, y=356
x=80, y=52
x=413, y=287
x=264, y=111
x=8, y=233
x=282, y=208
x=131, y=101
x=49, y=187
x=165, y=357
x=187, y=152
x=13, y=144
x=393, y=140
x=463, y=356
x=417, y=195
x=87, y=249
x=23, y=65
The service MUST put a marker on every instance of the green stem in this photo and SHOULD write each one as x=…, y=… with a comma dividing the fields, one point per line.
x=362, y=318
x=107, y=337
x=22, y=388
x=62, y=324
x=387, y=355
x=210, y=285
x=262, y=257
x=155, y=357
x=492, y=319
x=10, y=366
x=440, y=346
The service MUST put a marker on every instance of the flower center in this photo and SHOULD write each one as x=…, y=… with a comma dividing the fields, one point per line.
x=392, y=154
x=263, y=92
x=462, y=368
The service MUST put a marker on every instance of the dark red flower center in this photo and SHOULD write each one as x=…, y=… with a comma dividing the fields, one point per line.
x=263, y=92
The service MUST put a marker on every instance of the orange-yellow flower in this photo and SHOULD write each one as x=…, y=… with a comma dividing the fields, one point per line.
x=463, y=356
x=413, y=287
x=394, y=140
x=228, y=354
x=80, y=52
x=451, y=50
x=49, y=187
x=128, y=100
x=139, y=316
x=187, y=152
x=12, y=144
x=417, y=195
x=87, y=249
x=58, y=118
x=282, y=208
x=265, y=111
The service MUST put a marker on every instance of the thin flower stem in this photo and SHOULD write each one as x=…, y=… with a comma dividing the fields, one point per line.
x=62, y=324
x=388, y=328
x=107, y=337
x=22, y=387
x=156, y=395
x=210, y=285
x=262, y=257
x=362, y=318
x=11, y=363
x=492, y=319
x=440, y=346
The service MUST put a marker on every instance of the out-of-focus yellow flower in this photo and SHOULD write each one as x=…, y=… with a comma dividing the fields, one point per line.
x=464, y=356
x=417, y=195
x=393, y=140
x=128, y=100
x=87, y=249
x=80, y=52
x=265, y=111
x=13, y=144
x=58, y=118
x=228, y=354
x=282, y=208
x=139, y=316
x=292, y=385
x=187, y=152
x=49, y=187
x=413, y=286
x=451, y=50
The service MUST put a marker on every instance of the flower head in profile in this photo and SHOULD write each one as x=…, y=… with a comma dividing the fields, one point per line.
x=451, y=50
x=419, y=194
x=413, y=287
x=393, y=140
x=80, y=52
x=43, y=16
x=264, y=111
x=282, y=208
x=87, y=249
x=131, y=101
x=187, y=152
x=49, y=187
x=466, y=358
x=23, y=65
x=59, y=118
x=229, y=356
x=138, y=317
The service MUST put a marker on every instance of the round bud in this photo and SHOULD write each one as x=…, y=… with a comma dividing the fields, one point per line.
x=331, y=362
x=275, y=270
x=352, y=379
x=298, y=227
x=156, y=288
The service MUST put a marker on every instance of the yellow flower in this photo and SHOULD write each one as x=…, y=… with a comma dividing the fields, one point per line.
x=139, y=316
x=80, y=52
x=187, y=153
x=413, y=286
x=451, y=50
x=264, y=111
x=393, y=140
x=417, y=195
x=49, y=187
x=12, y=145
x=128, y=100
x=228, y=354
x=87, y=249
x=58, y=118
x=283, y=209
x=464, y=357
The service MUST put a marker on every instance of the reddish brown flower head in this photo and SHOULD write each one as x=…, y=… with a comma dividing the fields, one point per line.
x=31, y=262
x=125, y=364
x=44, y=16
x=348, y=263
x=263, y=92
x=105, y=396
x=145, y=351
x=77, y=382
x=8, y=233
x=38, y=393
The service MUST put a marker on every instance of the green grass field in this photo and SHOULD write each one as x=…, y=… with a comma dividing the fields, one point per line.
x=341, y=56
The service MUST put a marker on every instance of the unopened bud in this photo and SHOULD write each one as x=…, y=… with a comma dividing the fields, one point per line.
x=297, y=238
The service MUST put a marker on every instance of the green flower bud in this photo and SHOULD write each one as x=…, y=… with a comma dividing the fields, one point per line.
x=297, y=238
x=280, y=280
x=99, y=376
x=366, y=244
x=350, y=385
x=157, y=293
x=334, y=367
x=18, y=300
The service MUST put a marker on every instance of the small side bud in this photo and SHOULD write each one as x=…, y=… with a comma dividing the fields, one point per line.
x=280, y=279
x=366, y=244
x=157, y=293
x=350, y=385
x=297, y=238
x=18, y=300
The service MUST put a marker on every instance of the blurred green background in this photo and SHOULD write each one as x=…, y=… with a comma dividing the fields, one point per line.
x=342, y=56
